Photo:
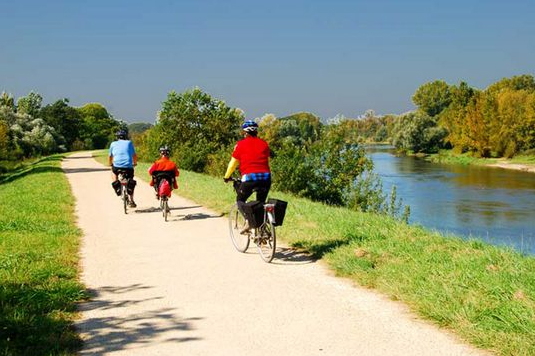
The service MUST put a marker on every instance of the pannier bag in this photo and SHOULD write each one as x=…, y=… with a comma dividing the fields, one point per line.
x=254, y=213
x=130, y=185
x=280, y=210
x=164, y=188
x=116, y=187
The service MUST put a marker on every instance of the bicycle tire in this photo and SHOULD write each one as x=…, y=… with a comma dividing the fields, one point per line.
x=267, y=242
x=236, y=224
x=125, y=199
x=165, y=209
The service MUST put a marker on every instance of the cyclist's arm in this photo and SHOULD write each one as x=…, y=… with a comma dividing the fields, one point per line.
x=231, y=167
x=110, y=160
x=134, y=158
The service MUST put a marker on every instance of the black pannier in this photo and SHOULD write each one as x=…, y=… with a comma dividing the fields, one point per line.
x=254, y=213
x=280, y=210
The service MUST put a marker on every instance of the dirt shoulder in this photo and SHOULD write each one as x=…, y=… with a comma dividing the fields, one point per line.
x=180, y=288
x=515, y=166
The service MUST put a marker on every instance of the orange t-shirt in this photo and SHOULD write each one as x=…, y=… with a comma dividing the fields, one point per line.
x=164, y=164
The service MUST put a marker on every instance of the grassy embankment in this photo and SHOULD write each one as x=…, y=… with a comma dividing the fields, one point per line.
x=448, y=156
x=38, y=261
x=483, y=293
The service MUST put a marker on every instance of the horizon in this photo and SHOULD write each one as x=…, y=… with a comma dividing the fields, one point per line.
x=329, y=59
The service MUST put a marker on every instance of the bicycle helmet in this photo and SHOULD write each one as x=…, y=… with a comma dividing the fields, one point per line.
x=121, y=134
x=164, y=150
x=249, y=126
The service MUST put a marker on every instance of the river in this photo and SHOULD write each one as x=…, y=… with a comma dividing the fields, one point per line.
x=494, y=204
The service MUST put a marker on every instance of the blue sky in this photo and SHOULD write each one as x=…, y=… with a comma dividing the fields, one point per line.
x=326, y=57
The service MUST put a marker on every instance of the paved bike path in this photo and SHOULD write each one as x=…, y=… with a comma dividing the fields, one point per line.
x=180, y=288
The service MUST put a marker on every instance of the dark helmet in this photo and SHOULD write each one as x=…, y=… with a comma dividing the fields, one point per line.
x=164, y=150
x=249, y=126
x=122, y=134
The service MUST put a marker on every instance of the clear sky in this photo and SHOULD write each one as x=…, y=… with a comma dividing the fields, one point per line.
x=326, y=57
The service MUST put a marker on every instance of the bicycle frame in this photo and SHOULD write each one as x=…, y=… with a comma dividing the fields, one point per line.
x=263, y=236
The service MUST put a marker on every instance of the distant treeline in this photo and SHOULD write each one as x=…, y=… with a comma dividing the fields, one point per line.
x=28, y=129
x=496, y=122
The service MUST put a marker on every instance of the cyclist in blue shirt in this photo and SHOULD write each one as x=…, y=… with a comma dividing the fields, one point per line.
x=123, y=156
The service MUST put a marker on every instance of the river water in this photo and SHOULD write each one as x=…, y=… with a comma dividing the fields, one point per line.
x=494, y=204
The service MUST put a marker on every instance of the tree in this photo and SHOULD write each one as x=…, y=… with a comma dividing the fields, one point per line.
x=30, y=104
x=98, y=126
x=418, y=132
x=7, y=100
x=433, y=97
x=64, y=119
x=195, y=125
x=139, y=127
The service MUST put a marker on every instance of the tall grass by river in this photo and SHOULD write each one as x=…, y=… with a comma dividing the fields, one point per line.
x=483, y=293
x=38, y=261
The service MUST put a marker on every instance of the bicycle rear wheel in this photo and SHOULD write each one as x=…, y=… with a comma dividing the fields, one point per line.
x=267, y=241
x=165, y=208
x=125, y=198
x=237, y=223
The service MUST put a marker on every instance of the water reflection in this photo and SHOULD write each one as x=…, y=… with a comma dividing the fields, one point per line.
x=495, y=204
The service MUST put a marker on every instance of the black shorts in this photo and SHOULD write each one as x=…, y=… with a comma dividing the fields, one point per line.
x=129, y=172
x=261, y=187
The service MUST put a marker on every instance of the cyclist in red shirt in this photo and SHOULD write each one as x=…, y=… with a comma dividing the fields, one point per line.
x=163, y=168
x=252, y=156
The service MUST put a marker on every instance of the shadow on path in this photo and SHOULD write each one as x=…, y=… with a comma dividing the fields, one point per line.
x=127, y=330
x=290, y=256
x=85, y=170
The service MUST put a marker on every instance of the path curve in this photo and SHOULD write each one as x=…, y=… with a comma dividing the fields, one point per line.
x=180, y=288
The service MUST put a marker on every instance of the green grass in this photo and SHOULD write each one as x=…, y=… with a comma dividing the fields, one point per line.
x=38, y=261
x=449, y=157
x=483, y=293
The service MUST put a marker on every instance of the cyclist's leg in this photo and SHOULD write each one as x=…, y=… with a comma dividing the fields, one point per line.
x=113, y=173
x=244, y=192
x=131, y=185
x=262, y=189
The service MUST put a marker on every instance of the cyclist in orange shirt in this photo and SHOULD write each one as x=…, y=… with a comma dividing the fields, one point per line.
x=163, y=168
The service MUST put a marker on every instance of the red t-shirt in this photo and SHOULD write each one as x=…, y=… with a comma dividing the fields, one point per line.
x=253, y=154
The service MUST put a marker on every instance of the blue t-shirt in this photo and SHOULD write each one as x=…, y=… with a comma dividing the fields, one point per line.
x=122, y=152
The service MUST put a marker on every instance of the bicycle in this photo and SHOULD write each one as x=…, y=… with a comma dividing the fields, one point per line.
x=263, y=236
x=121, y=176
x=164, y=193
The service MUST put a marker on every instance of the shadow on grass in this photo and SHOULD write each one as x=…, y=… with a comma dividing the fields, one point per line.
x=318, y=249
x=33, y=319
x=119, y=328
x=32, y=168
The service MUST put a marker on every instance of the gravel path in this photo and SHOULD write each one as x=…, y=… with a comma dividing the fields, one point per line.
x=180, y=288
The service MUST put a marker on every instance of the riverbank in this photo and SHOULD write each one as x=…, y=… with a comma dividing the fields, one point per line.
x=485, y=294
x=519, y=163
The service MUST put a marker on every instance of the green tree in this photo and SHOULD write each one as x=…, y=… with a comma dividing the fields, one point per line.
x=433, y=97
x=98, y=126
x=196, y=125
x=7, y=100
x=30, y=104
x=418, y=132
x=64, y=119
x=139, y=127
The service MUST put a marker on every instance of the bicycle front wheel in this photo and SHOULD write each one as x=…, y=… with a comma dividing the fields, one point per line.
x=267, y=241
x=237, y=223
